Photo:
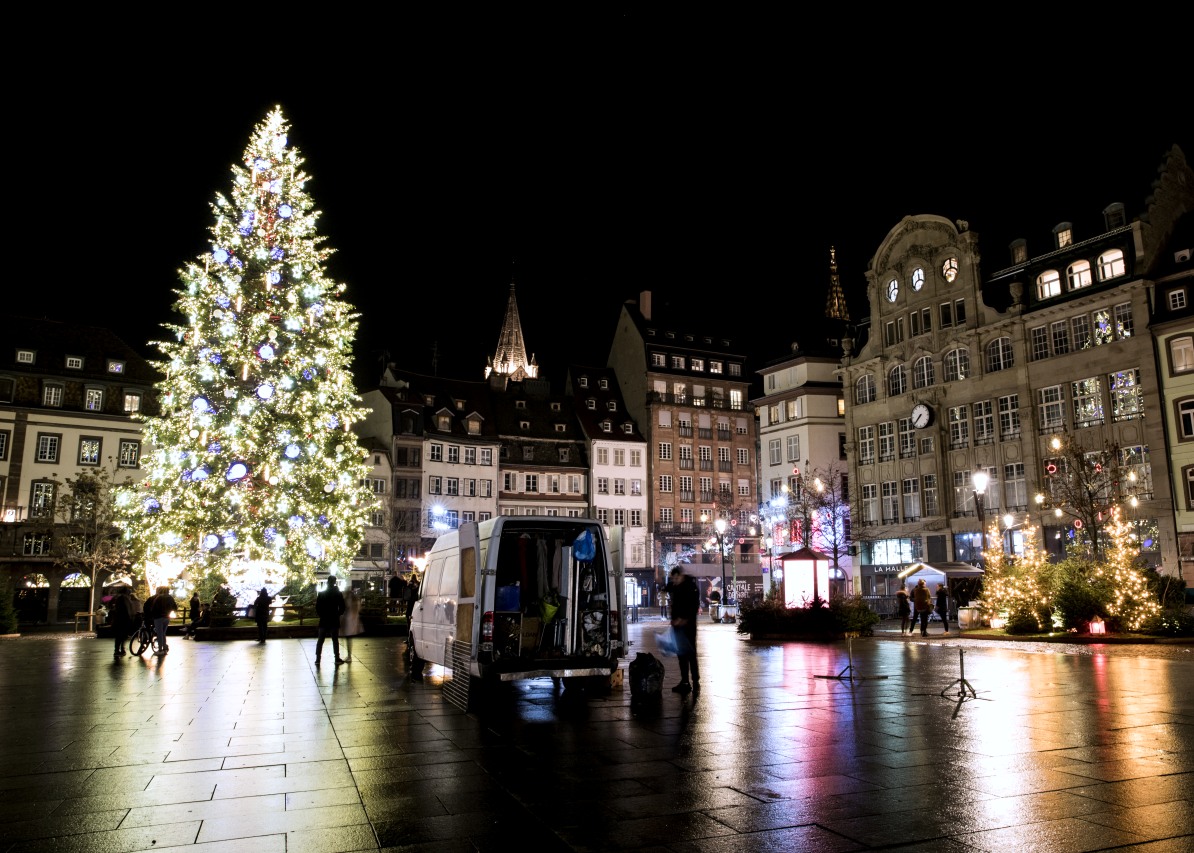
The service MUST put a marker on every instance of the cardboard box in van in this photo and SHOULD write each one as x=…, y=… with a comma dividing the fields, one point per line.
x=518, y=597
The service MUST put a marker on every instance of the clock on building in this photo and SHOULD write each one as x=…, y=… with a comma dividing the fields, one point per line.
x=922, y=416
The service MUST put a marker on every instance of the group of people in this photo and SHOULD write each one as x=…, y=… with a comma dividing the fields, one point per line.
x=339, y=616
x=918, y=610
x=403, y=593
x=158, y=610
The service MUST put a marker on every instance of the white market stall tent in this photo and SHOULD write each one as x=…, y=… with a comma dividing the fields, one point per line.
x=961, y=579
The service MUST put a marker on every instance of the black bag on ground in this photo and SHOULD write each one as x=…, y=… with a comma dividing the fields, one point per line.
x=646, y=675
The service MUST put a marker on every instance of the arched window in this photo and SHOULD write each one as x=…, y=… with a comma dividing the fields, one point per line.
x=897, y=381
x=1111, y=264
x=864, y=389
x=1078, y=275
x=1048, y=284
x=922, y=372
x=949, y=269
x=957, y=365
x=999, y=355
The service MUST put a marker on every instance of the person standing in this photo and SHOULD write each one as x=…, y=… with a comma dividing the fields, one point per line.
x=411, y=594
x=261, y=612
x=943, y=605
x=195, y=607
x=329, y=604
x=686, y=604
x=903, y=610
x=350, y=621
x=159, y=609
x=922, y=601
x=122, y=620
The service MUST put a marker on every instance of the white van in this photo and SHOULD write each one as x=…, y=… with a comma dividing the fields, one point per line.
x=518, y=597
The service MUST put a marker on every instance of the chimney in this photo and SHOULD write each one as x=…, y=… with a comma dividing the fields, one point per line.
x=644, y=304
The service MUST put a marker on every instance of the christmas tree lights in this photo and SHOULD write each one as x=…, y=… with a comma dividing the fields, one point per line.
x=252, y=461
x=1131, y=599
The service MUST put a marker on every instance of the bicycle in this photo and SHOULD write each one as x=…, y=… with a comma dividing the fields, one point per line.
x=143, y=638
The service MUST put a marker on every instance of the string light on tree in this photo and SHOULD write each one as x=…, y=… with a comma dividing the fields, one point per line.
x=253, y=470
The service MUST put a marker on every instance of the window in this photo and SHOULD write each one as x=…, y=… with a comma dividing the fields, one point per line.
x=891, y=502
x=25, y=356
x=1111, y=264
x=1009, y=417
x=893, y=290
x=926, y=445
x=949, y=270
x=911, y=499
x=984, y=422
x=89, y=450
x=435, y=485
x=922, y=372
x=1060, y=332
x=1190, y=487
x=1177, y=299
x=947, y=314
x=1039, y=342
x=665, y=482
x=907, y=438
x=957, y=365
x=1078, y=275
x=793, y=446
x=897, y=381
x=866, y=444
x=530, y=483
x=132, y=403
x=1051, y=407
x=130, y=453
x=743, y=456
x=715, y=367
x=887, y=441
x=677, y=362
x=930, y=494
x=528, y=453
x=735, y=369
x=1185, y=421
x=773, y=414
x=452, y=486
x=1048, y=284
x=870, y=503
x=918, y=280
x=1088, y=402
x=999, y=355
x=959, y=427
x=665, y=450
x=1015, y=490
x=1123, y=321
x=603, y=485
x=1127, y=397
x=3, y=446
x=963, y=493
x=658, y=360
x=437, y=453
x=115, y=366
x=454, y=453
x=864, y=388
x=470, y=456
x=486, y=456
x=1135, y=460
x=697, y=364
x=52, y=395
x=1080, y=328
x=41, y=504
x=47, y=447
x=36, y=544
x=959, y=312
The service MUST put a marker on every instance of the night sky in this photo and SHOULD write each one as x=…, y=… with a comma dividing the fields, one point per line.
x=588, y=175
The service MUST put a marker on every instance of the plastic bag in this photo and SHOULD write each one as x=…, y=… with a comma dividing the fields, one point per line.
x=671, y=642
x=584, y=547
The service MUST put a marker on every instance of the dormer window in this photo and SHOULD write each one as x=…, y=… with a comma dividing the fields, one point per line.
x=443, y=422
x=583, y=381
x=591, y=404
x=603, y=384
x=677, y=362
x=1063, y=235
x=698, y=364
x=528, y=453
x=715, y=367
x=1078, y=275
x=555, y=407
x=1111, y=264
x=25, y=356
x=524, y=425
x=428, y=399
x=612, y=405
x=460, y=405
x=1114, y=215
x=561, y=428
x=74, y=362
x=1019, y=251
x=606, y=426
x=115, y=366
x=473, y=426
x=520, y=404
x=565, y=456
x=628, y=428
x=658, y=360
x=1048, y=284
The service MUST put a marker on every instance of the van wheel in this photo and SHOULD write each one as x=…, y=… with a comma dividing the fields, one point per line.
x=413, y=660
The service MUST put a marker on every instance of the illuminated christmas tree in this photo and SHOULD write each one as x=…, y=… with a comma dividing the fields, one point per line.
x=1012, y=588
x=252, y=469
x=1131, y=599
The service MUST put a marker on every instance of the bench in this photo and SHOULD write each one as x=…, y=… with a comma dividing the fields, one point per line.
x=84, y=614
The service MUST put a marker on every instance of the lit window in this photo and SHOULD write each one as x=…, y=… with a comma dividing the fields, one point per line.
x=864, y=389
x=1177, y=299
x=1111, y=264
x=999, y=355
x=893, y=290
x=1181, y=353
x=1048, y=284
x=52, y=396
x=132, y=402
x=73, y=362
x=115, y=366
x=949, y=269
x=1078, y=275
x=918, y=278
x=93, y=400
x=25, y=356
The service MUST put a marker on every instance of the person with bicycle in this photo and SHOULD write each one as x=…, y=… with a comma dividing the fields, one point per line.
x=159, y=608
x=122, y=619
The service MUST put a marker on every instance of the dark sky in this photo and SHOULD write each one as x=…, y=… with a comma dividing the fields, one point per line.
x=590, y=175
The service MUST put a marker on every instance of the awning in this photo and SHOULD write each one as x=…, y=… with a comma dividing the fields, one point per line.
x=946, y=569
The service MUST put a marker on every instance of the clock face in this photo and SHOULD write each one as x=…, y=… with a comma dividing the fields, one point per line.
x=921, y=416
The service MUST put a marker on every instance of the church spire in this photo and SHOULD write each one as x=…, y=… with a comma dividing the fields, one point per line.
x=835, y=305
x=511, y=360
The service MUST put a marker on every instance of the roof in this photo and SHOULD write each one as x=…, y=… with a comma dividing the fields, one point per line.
x=948, y=568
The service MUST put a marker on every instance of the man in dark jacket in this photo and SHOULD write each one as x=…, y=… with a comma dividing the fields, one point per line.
x=261, y=612
x=329, y=604
x=943, y=605
x=686, y=604
x=159, y=609
x=122, y=619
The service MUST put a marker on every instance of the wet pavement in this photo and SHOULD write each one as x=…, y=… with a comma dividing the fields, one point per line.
x=892, y=743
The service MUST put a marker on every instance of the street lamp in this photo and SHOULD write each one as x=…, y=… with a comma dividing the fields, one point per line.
x=980, y=480
x=719, y=526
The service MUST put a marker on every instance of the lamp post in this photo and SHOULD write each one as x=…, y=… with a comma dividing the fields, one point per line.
x=980, y=480
x=719, y=526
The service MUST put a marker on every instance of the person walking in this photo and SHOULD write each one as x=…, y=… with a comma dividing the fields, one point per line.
x=686, y=604
x=159, y=609
x=411, y=595
x=261, y=612
x=122, y=620
x=329, y=604
x=922, y=601
x=196, y=607
x=903, y=610
x=943, y=605
x=350, y=621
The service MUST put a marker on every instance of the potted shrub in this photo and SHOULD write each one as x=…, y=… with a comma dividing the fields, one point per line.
x=223, y=608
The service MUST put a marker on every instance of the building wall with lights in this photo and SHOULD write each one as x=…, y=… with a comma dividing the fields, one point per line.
x=960, y=373
x=68, y=396
x=689, y=394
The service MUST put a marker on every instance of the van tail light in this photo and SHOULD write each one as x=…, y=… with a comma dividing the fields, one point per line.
x=487, y=627
x=615, y=624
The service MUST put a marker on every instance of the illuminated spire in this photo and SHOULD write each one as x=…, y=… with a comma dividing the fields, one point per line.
x=511, y=356
x=835, y=306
